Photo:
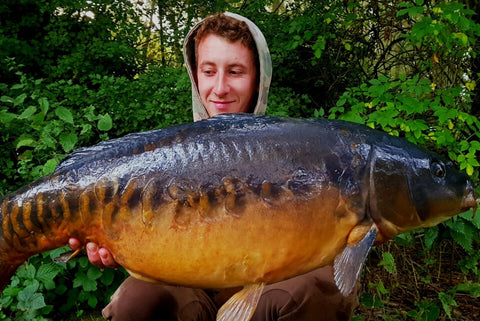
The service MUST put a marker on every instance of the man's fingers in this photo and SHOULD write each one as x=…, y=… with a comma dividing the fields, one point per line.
x=74, y=244
x=93, y=256
x=107, y=258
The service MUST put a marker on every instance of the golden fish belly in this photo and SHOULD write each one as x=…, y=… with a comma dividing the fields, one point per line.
x=266, y=242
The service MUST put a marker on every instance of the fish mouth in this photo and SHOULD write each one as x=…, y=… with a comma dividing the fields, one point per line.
x=469, y=202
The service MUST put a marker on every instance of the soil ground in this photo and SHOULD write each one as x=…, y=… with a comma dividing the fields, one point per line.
x=413, y=293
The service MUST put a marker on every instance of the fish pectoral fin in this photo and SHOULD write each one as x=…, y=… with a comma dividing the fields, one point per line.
x=349, y=263
x=242, y=305
x=67, y=256
x=142, y=277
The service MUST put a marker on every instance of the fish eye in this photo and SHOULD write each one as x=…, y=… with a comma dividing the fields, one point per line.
x=438, y=169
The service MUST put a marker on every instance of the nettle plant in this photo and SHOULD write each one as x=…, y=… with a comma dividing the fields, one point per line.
x=46, y=288
x=39, y=128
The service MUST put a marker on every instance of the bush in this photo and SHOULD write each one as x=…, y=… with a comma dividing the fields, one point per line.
x=43, y=283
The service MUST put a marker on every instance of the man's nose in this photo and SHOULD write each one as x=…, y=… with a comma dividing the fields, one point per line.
x=220, y=87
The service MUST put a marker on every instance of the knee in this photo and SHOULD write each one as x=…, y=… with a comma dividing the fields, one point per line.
x=140, y=301
x=313, y=296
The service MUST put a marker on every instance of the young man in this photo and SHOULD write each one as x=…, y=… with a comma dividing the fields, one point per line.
x=230, y=68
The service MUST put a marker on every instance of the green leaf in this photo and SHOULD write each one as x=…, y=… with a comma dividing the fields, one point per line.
x=405, y=239
x=469, y=169
x=471, y=288
x=92, y=301
x=104, y=122
x=86, y=128
x=68, y=141
x=462, y=37
x=26, y=142
x=49, y=166
x=94, y=273
x=107, y=277
x=367, y=299
x=44, y=105
x=341, y=101
x=27, y=113
x=82, y=280
x=46, y=273
x=402, y=12
x=29, y=299
x=474, y=145
x=17, y=86
x=83, y=262
x=431, y=234
x=427, y=311
x=61, y=289
x=11, y=291
x=6, y=99
x=447, y=301
x=462, y=232
x=381, y=288
x=475, y=220
x=20, y=99
x=26, y=271
x=319, y=46
x=388, y=262
x=6, y=117
x=64, y=114
x=53, y=254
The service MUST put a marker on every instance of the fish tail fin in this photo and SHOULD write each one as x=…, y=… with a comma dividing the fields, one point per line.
x=242, y=305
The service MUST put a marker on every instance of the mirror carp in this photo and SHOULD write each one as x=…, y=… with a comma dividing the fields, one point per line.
x=235, y=200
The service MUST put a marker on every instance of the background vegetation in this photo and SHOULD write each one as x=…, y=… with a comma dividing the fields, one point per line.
x=74, y=72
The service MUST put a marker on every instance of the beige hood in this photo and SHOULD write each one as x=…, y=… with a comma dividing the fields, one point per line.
x=199, y=111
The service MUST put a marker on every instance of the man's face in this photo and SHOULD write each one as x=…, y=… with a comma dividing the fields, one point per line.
x=226, y=75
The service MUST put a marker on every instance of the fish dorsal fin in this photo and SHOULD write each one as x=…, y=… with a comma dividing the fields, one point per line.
x=242, y=305
x=349, y=263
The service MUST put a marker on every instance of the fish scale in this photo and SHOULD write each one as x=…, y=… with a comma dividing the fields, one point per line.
x=235, y=200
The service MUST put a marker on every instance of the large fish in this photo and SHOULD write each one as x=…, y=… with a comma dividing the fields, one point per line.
x=235, y=200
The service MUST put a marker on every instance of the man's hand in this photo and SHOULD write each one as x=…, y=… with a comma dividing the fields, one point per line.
x=99, y=257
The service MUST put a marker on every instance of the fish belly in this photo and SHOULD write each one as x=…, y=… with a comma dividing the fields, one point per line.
x=266, y=243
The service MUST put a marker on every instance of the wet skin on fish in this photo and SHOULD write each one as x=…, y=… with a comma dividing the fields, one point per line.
x=235, y=200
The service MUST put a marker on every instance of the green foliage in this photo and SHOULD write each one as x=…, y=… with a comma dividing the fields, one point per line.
x=444, y=27
x=307, y=41
x=283, y=102
x=42, y=122
x=42, y=284
x=158, y=98
x=411, y=108
x=426, y=311
x=39, y=128
x=388, y=262
x=74, y=72
x=70, y=39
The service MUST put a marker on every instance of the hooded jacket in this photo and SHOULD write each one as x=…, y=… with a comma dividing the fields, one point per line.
x=199, y=111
